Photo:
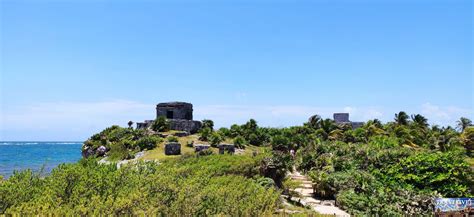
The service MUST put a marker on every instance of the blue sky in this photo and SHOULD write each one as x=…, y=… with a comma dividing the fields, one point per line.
x=72, y=68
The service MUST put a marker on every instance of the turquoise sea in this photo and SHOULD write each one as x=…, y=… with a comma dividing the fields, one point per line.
x=36, y=155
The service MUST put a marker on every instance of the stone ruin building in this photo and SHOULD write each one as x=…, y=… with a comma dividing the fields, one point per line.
x=179, y=115
x=343, y=118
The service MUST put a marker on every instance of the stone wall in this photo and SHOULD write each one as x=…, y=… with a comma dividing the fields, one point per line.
x=173, y=148
x=185, y=125
x=200, y=147
x=356, y=125
x=341, y=117
x=175, y=110
x=145, y=124
x=226, y=148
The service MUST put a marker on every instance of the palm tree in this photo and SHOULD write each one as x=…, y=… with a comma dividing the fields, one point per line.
x=420, y=120
x=374, y=127
x=463, y=123
x=327, y=126
x=315, y=121
x=401, y=118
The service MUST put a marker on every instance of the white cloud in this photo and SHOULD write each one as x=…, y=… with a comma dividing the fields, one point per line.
x=79, y=120
x=444, y=115
x=68, y=120
x=279, y=115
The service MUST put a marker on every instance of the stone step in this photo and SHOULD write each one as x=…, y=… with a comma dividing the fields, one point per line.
x=306, y=197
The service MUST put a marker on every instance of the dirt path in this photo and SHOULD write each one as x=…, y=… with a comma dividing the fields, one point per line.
x=305, y=189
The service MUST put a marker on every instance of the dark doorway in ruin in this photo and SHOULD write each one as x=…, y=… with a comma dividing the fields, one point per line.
x=169, y=114
x=189, y=116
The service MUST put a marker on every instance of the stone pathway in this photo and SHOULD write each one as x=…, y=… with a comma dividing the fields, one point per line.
x=326, y=207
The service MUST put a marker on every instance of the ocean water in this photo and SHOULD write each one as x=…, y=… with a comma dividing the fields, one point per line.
x=36, y=155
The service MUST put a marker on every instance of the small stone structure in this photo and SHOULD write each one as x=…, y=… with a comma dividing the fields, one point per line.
x=226, y=148
x=175, y=110
x=343, y=118
x=173, y=148
x=185, y=125
x=145, y=124
x=179, y=115
x=201, y=147
x=181, y=134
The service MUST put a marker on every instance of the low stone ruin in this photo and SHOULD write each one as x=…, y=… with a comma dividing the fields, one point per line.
x=89, y=151
x=190, y=126
x=181, y=134
x=178, y=114
x=343, y=119
x=226, y=148
x=201, y=147
x=173, y=148
x=101, y=151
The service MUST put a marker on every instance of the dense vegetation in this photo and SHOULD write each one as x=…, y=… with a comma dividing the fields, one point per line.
x=207, y=185
x=392, y=168
x=122, y=143
x=377, y=169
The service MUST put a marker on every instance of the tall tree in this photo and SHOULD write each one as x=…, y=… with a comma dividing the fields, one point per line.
x=315, y=121
x=420, y=120
x=463, y=123
x=401, y=118
x=206, y=123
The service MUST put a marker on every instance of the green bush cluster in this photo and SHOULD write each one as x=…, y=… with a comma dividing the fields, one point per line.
x=248, y=133
x=206, y=185
x=122, y=143
x=371, y=179
x=161, y=124
x=378, y=169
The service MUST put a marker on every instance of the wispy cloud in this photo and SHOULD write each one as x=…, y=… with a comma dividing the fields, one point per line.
x=278, y=115
x=79, y=120
x=443, y=115
x=68, y=120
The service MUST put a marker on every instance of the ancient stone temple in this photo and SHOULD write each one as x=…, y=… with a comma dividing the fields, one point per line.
x=175, y=110
x=179, y=115
x=343, y=118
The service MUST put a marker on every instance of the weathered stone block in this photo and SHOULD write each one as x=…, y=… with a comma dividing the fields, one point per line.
x=356, y=125
x=181, y=134
x=101, y=150
x=185, y=125
x=226, y=148
x=200, y=147
x=87, y=152
x=173, y=148
x=341, y=117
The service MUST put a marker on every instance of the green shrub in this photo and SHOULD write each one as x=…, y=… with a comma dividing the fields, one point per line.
x=280, y=143
x=119, y=151
x=208, y=124
x=161, y=124
x=148, y=142
x=208, y=185
x=215, y=139
x=239, y=142
x=205, y=133
x=172, y=139
x=468, y=140
x=205, y=152
x=446, y=173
